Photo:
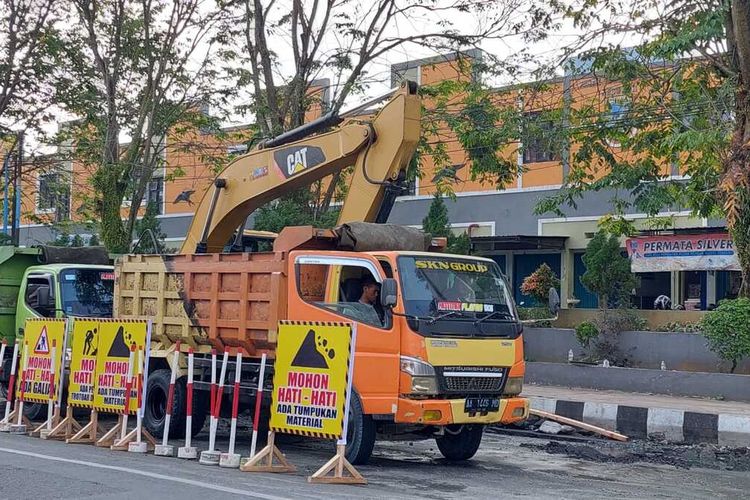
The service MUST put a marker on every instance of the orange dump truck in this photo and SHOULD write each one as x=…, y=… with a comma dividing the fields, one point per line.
x=441, y=357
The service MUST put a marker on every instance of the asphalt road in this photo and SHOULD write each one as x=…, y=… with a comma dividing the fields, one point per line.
x=505, y=467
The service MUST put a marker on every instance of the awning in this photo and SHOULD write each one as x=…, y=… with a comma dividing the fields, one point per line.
x=682, y=252
x=481, y=244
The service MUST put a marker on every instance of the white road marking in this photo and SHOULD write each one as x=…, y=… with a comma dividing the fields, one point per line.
x=153, y=475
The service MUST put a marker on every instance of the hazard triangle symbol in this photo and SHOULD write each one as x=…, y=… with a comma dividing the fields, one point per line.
x=42, y=345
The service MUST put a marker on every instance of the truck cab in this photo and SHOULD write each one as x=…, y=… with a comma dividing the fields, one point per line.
x=60, y=290
x=439, y=354
x=37, y=282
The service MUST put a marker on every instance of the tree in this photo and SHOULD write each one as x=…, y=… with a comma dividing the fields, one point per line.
x=437, y=224
x=141, y=70
x=538, y=283
x=347, y=38
x=727, y=329
x=27, y=57
x=607, y=273
x=293, y=210
x=682, y=109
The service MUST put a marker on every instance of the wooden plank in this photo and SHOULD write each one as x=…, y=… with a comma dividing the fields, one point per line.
x=577, y=423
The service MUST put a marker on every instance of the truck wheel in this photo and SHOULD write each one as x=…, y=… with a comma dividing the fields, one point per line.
x=155, y=406
x=360, y=438
x=460, y=442
x=35, y=411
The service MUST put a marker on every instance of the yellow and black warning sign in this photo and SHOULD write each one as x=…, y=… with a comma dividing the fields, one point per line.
x=311, y=378
x=114, y=339
x=37, y=373
x=83, y=362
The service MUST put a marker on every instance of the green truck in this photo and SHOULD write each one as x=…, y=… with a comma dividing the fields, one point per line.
x=50, y=282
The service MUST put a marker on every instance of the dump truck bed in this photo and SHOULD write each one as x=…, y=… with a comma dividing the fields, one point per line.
x=205, y=300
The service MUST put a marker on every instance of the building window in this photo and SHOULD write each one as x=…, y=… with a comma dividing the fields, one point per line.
x=54, y=196
x=155, y=194
x=413, y=74
x=538, y=139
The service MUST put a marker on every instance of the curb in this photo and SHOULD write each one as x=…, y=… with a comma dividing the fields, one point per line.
x=636, y=422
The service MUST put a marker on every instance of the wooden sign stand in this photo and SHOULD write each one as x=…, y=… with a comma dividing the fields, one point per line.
x=89, y=433
x=337, y=465
x=65, y=428
x=13, y=417
x=263, y=460
x=132, y=436
x=37, y=432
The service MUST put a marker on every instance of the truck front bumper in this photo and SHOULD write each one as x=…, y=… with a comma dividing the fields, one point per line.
x=451, y=411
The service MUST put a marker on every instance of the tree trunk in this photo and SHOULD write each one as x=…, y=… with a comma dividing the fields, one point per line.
x=113, y=232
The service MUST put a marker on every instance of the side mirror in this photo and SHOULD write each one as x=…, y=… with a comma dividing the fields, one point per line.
x=43, y=297
x=388, y=293
x=553, y=301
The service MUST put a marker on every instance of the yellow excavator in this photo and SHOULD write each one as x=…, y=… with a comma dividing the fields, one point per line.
x=379, y=149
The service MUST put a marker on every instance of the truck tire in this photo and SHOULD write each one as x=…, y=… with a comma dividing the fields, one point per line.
x=460, y=442
x=155, y=406
x=35, y=411
x=360, y=439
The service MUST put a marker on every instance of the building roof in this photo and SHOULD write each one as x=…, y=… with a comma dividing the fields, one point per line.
x=517, y=242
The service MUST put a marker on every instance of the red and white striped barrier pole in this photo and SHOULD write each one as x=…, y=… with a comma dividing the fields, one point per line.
x=258, y=398
x=11, y=384
x=128, y=388
x=51, y=401
x=231, y=459
x=211, y=456
x=19, y=427
x=164, y=449
x=189, y=451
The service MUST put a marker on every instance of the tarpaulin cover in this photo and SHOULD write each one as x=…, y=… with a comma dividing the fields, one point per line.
x=366, y=237
x=74, y=255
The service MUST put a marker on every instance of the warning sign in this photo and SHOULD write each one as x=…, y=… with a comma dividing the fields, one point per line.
x=310, y=379
x=114, y=339
x=41, y=333
x=83, y=362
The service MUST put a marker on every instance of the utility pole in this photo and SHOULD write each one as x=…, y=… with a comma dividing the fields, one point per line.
x=15, y=237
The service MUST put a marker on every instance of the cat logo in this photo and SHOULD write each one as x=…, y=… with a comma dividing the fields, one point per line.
x=297, y=161
x=293, y=160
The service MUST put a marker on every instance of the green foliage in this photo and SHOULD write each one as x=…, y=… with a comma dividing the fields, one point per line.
x=296, y=209
x=437, y=224
x=538, y=283
x=5, y=239
x=679, y=327
x=94, y=241
x=149, y=223
x=436, y=221
x=586, y=332
x=609, y=323
x=607, y=273
x=535, y=313
x=727, y=329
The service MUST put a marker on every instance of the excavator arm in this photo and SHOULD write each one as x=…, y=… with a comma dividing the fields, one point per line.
x=379, y=149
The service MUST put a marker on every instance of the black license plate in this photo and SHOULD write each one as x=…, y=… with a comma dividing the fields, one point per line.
x=481, y=405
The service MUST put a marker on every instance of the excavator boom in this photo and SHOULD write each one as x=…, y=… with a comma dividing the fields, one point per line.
x=379, y=149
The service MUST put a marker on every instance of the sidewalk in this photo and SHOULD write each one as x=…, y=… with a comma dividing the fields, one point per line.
x=677, y=419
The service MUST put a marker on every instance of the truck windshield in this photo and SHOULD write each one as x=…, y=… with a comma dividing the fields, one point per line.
x=435, y=286
x=87, y=292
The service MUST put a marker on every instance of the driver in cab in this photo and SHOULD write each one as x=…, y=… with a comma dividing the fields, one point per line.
x=367, y=308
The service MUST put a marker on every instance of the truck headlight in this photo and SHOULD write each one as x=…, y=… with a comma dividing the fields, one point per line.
x=513, y=386
x=424, y=385
x=423, y=379
x=416, y=367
